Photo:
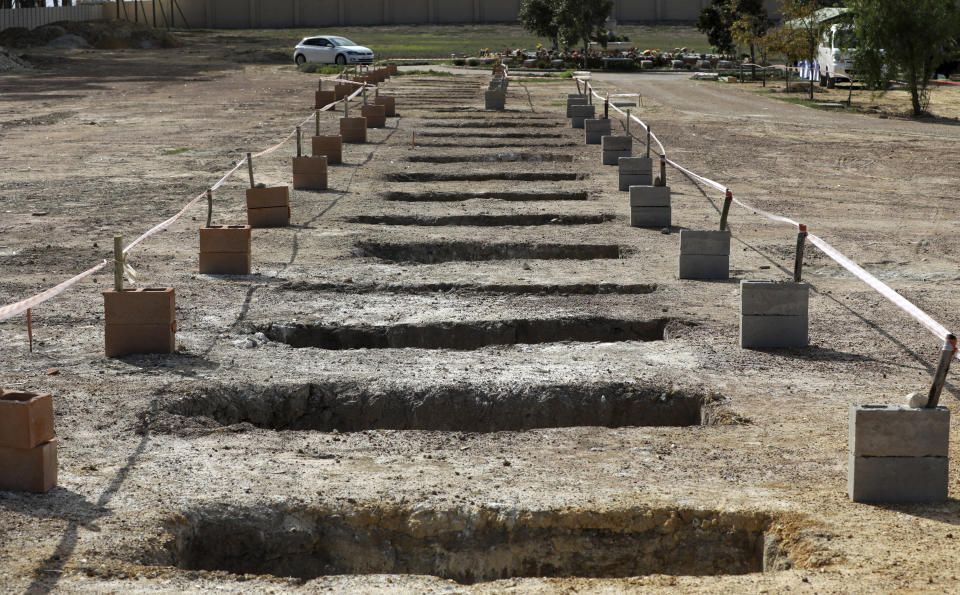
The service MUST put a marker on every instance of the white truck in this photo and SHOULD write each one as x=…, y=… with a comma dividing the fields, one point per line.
x=836, y=53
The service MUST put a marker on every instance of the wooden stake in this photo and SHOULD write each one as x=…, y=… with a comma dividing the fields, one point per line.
x=628, y=122
x=727, y=201
x=798, y=262
x=946, y=356
x=317, y=121
x=649, y=134
x=364, y=95
x=118, y=263
x=606, y=108
x=299, y=142
x=30, y=329
x=250, y=169
x=662, y=180
x=209, y=207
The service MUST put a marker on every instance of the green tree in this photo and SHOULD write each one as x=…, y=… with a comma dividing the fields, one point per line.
x=579, y=20
x=750, y=26
x=800, y=34
x=540, y=18
x=715, y=22
x=905, y=38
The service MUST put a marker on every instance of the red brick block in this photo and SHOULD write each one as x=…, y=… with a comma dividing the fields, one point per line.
x=375, y=114
x=225, y=250
x=324, y=98
x=269, y=217
x=29, y=469
x=389, y=105
x=330, y=147
x=353, y=130
x=26, y=419
x=139, y=320
x=261, y=198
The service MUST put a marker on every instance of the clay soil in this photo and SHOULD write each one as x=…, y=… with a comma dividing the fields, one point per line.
x=460, y=369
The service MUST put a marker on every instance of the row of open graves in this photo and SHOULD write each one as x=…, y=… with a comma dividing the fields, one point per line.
x=896, y=453
x=143, y=320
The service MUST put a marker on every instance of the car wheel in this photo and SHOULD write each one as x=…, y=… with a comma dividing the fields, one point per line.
x=823, y=79
x=341, y=59
x=300, y=59
x=831, y=82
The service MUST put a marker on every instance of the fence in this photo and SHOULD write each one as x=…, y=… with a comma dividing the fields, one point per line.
x=244, y=14
x=31, y=18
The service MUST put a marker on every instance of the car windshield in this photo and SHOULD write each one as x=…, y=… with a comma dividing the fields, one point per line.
x=339, y=41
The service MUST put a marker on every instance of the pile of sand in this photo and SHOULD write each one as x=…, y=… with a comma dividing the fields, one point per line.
x=109, y=35
x=10, y=63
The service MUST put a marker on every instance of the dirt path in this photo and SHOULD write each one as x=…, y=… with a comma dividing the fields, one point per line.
x=460, y=369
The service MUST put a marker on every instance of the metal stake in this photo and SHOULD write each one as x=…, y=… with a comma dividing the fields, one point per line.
x=209, y=207
x=606, y=108
x=649, y=134
x=798, y=263
x=250, y=169
x=299, y=142
x=628, y=122
x=946, y=356
x=727, y=201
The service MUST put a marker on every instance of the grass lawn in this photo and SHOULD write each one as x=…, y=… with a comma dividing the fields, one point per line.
x=426, y=41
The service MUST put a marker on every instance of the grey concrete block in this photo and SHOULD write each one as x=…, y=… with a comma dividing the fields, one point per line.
x=613, y=157
x=571, y=102
x=697, y=242
x=772, y=298
x=650, y=216
x=616, y=143
x=580, y=113
x=897, y=479
x=649, y=196
x=636, y=165
x=495, y=100
x=595, y=130
x=627, y=180
x=899, y=431
x=704, y=266
x=774, y=332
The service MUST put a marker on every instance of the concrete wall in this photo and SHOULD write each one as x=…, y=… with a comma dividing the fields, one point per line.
x=241, y=14
x=325, y=13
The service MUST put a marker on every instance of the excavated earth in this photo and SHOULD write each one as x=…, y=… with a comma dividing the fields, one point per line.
x=460, y=369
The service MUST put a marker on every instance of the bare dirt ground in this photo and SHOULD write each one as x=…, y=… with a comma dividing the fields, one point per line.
x=490, y=382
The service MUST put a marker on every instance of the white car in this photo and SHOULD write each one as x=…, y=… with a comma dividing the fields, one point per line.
x=331, y=49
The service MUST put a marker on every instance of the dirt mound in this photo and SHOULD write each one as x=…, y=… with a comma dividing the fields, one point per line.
x=99, y=34
x=10, y=63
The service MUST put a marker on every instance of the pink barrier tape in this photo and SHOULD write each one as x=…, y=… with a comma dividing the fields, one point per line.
x=32, y=302
x=901, y=302
x=20, y=307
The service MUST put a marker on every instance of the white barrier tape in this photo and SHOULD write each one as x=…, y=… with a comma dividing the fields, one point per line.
x=32, y=302
x=907, y=306
x=22, y=306
x=901, y=302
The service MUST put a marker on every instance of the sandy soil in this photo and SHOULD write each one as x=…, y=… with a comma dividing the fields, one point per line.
x=629, y=442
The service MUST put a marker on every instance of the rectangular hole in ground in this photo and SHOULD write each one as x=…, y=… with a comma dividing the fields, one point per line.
x=471, y=544
x=516, y=123
x=514, y=176
x=491, y=135
x=524, y=288
x=355, y=407
x=483, y=220
x=496, y=158
x=466, y=335
x=436, y=252
x=494, y=195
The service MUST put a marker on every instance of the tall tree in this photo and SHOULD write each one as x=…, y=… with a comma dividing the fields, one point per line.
x=750, y=25
x=540, y=18
x=716, y=21
x=579, y=20
x=800, y=34
x=906, y=38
